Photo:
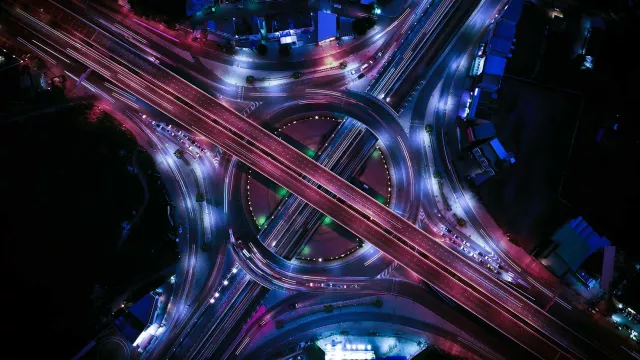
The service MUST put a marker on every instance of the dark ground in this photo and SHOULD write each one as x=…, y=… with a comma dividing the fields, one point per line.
x=536, y=120
x=537, y=125
x=66, y=189
x=553, y=181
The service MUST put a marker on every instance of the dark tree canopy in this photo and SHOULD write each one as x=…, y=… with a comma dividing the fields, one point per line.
x=168, y=11
x=362, y=25
x=284, y=50
x=262, y=49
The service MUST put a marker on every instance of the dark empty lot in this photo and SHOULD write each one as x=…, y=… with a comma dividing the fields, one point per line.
x=536, y=123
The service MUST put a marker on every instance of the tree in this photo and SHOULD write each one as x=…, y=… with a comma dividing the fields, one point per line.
x=167, y=11
x=285, y=50
x=343, y=65
x=460, y=221
x=328, y=308
x=200, y=197
x=428, y=128
x=251, y=79
x=378, y=303
x=297, y=75
x=262, y=49
x=360, y=26
x=437, y=175
x=179, y=153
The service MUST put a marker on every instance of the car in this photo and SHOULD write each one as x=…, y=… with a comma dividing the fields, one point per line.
x=379, y=54
x=360, y=76
x=447, y=230
x=353, y=72
x=456, y=236
x=293, y=306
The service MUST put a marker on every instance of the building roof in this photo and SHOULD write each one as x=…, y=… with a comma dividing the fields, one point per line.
x=144, y=308
x=513, y=11
x=483, y=131
x=490, y=82
x=326, y=26
x=577, y=240
x=500, y=45
x=498, y=148
x=505, y=30
x=494, y=65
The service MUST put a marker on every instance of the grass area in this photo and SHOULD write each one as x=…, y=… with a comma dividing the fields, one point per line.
x=68, y=192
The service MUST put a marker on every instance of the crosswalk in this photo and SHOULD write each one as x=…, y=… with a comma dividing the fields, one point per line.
x=250, y=108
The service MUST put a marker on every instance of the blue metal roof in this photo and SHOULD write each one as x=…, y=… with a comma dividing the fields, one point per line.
x=494, y=65
x=513, y=11
x=326, y=26
x=498, y=148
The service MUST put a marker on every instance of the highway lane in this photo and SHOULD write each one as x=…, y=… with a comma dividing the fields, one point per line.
x=390, y=38
x=216, y=338
x=410, y=53
x=272, y=272
x=293, y=335
x=446, y=89
x=453, y=86
x=354, y=197
x=293, y=222
x=384, y=28
x=173, y=173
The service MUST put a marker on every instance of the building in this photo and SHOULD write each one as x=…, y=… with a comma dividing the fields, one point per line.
x=492, y=158
x=326, y=26
x=496, y=48
x=481, y=130
x=483, y=104
x=571, y=246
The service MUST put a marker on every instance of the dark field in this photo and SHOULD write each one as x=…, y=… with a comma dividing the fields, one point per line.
x=67, y=187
